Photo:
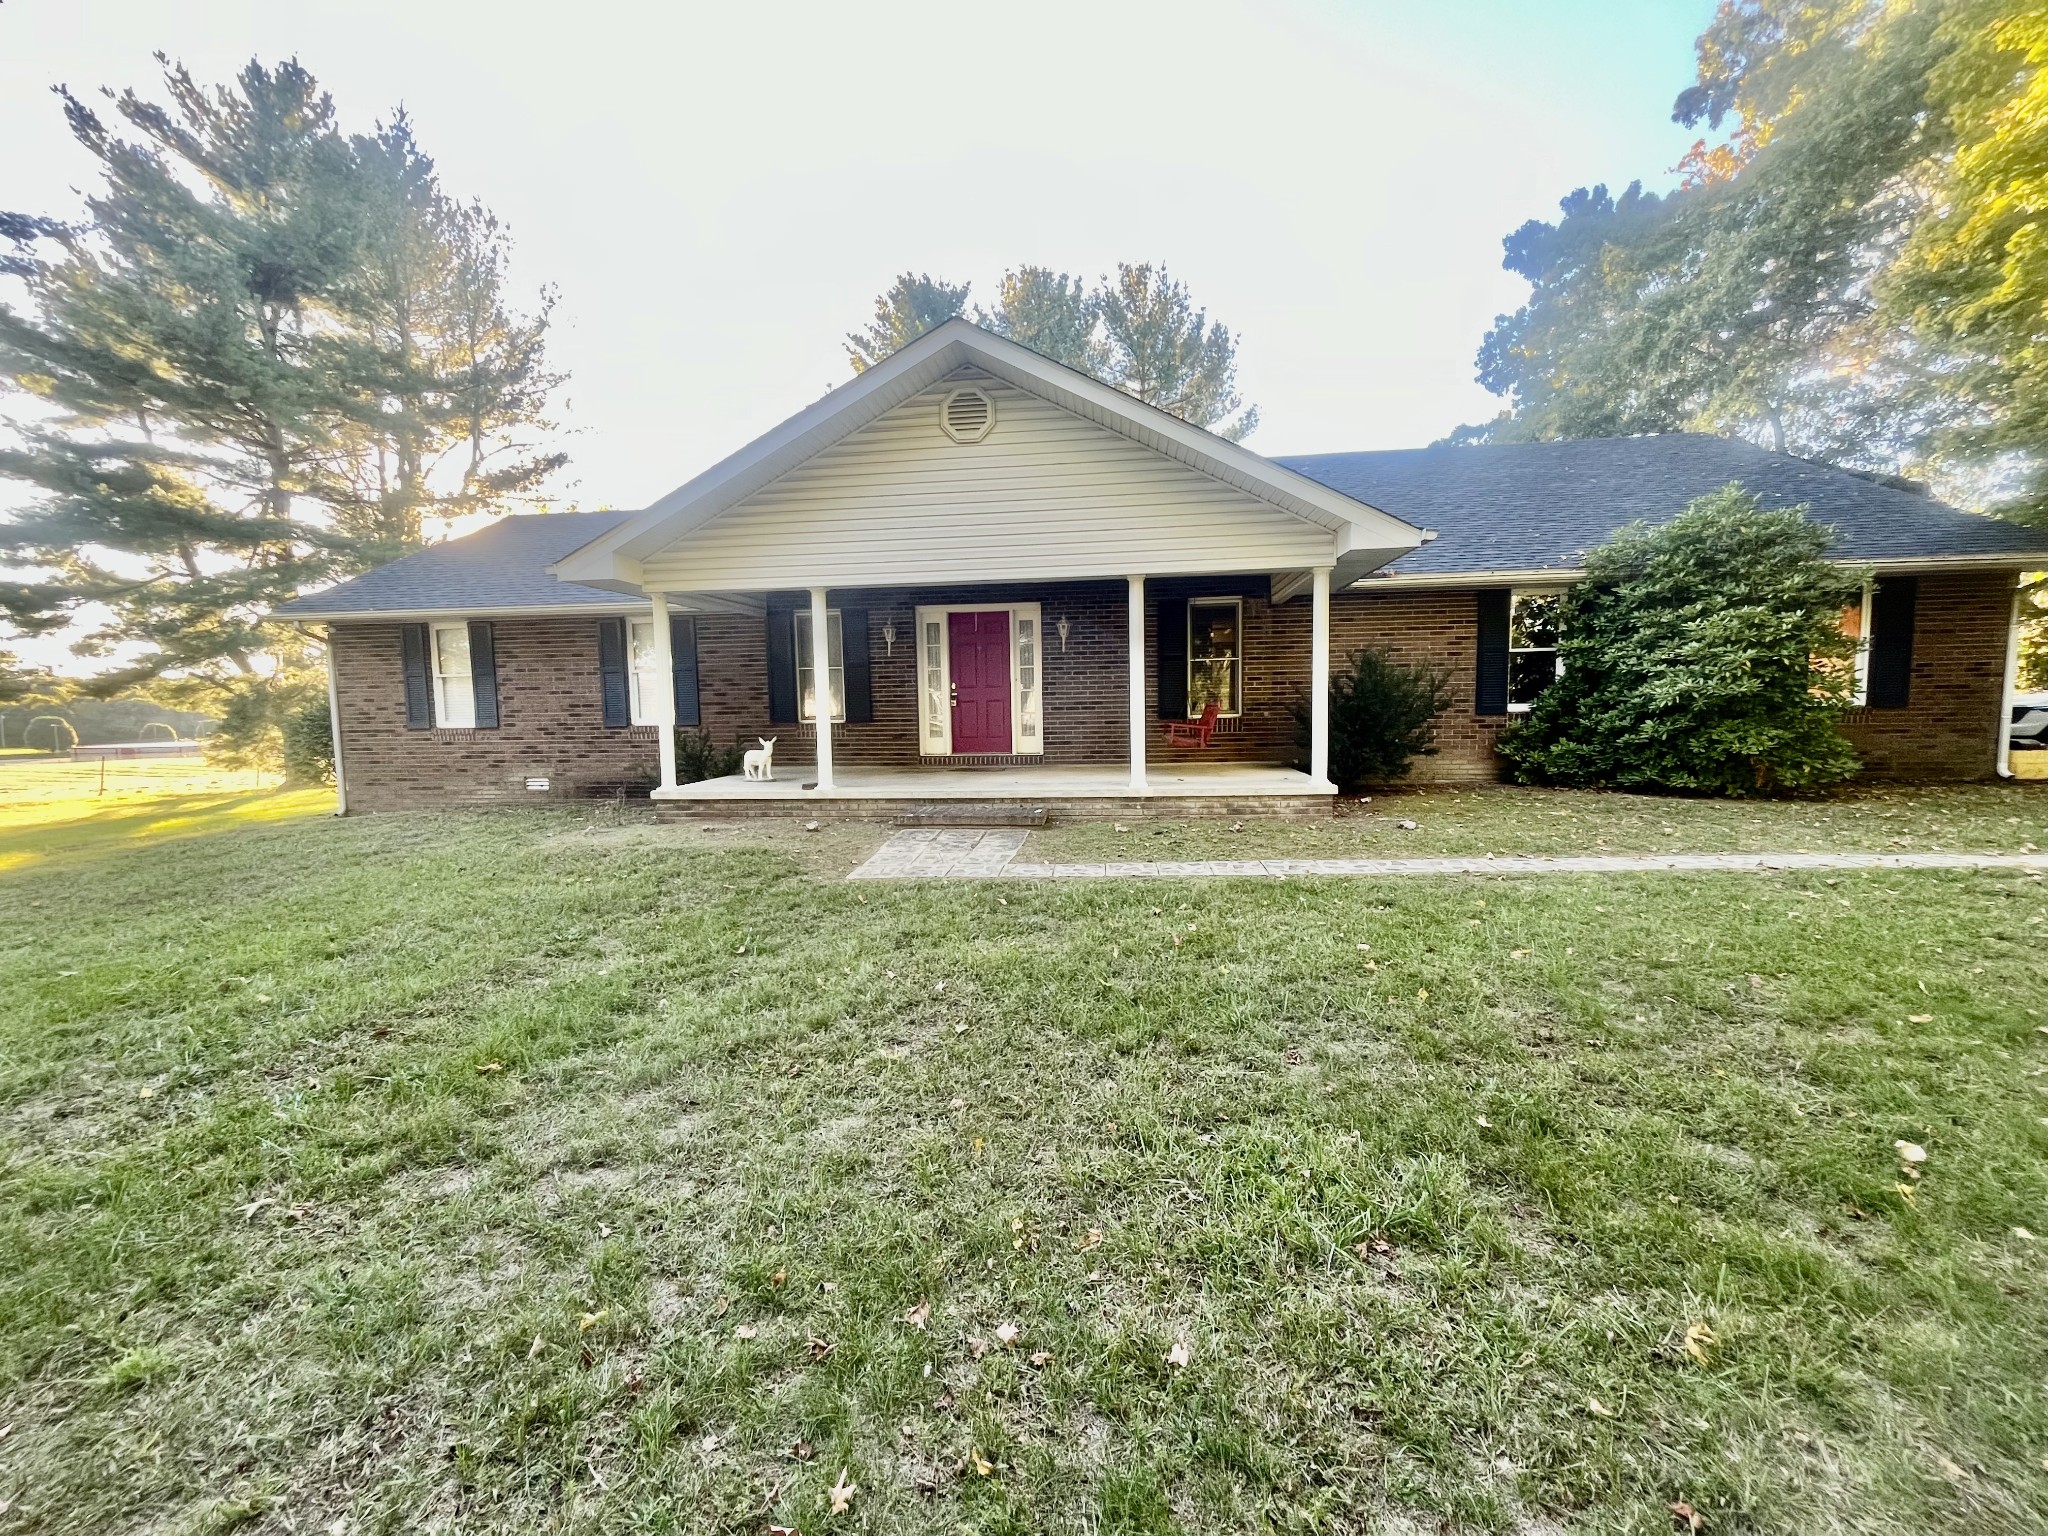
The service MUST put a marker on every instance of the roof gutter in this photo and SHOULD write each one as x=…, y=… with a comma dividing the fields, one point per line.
x=1553, y=574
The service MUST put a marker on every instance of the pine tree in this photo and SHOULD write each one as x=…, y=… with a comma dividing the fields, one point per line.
x=914, y=304
x=242, y=373
x=1140, y=332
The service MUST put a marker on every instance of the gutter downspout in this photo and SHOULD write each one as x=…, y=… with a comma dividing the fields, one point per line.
x=333, y=718
x=2012, y=684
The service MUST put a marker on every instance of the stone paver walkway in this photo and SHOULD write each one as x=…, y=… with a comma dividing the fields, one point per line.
x=969, y=853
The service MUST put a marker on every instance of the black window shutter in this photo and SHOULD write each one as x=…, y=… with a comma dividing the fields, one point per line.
x=483, y=673
x=853, y=640
x=682, y=659
x=611, y=672
x=419, y=686
x=1173, y=658
x=1891, y=641
x=1490, y=690
x=781, y=665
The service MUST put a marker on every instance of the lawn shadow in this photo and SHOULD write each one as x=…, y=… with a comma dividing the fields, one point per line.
x=134, y=825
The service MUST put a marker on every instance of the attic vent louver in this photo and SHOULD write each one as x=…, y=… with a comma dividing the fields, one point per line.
x=967, y=415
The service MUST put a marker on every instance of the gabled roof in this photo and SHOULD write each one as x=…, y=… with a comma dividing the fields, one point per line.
x=1364, y=536
x=1529, y=507
x=500, y=569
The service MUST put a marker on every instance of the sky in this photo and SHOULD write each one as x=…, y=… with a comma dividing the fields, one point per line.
x=718, y=193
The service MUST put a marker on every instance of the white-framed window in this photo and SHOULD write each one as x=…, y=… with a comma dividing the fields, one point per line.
x=806, y=678
x=1533, y=660
x=454, y=687
x=643, y=670
x=1856, y=625
x=1215, y=656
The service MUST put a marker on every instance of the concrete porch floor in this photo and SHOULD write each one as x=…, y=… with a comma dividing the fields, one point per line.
x=1084, y=789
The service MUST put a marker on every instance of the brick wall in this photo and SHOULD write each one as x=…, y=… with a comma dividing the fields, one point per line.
x=553, y=723
x=1950, y=726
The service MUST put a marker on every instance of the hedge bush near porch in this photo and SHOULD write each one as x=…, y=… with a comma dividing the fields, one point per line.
x=500, y=1172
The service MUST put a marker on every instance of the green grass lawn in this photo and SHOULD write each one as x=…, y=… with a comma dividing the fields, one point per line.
x=537, y=1171
x=1497, y=819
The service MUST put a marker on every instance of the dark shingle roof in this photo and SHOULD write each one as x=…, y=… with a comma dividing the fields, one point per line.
x=1539, y=506
x=1499, y=507
x=500, y=568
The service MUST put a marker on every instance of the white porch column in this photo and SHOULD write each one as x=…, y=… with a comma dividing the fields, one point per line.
x=663, y=705
x=1137, y=629
x=1319, y=679
x=821, y=685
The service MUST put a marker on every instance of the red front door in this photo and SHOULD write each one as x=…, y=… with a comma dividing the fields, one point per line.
x=981, y=681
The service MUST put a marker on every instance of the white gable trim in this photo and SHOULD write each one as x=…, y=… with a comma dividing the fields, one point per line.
x=1363, y=537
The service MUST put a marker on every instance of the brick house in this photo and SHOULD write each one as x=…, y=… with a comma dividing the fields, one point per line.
x=1018, y=584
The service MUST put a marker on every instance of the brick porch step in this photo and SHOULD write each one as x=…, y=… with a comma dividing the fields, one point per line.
x=970, y=813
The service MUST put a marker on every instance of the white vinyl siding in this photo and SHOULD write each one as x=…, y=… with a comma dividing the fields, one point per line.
x=1045, y=494
x=454, y=686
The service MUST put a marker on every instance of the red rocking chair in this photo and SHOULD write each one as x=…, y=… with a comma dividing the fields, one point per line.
x=1193, y=733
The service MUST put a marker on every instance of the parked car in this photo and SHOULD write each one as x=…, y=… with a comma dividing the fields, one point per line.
x=2030, y=720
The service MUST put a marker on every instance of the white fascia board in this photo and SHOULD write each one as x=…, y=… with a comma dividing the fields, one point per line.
x=925, y=362
x=1533, y=576
x=745, y=604
x=415, y=615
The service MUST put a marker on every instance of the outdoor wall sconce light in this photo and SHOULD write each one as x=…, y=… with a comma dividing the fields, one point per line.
x=1064, y=626
x=889, y=637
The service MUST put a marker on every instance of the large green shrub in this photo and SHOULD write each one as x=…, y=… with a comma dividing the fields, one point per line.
x=1382, y=716
x=1706, y=656
x=699, y=757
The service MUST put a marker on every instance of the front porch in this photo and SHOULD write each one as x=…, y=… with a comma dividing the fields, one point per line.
x=1048, y=792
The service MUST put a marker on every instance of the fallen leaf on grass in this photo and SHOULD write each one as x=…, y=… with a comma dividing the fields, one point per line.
x=1482, y=1122
x=718, y=1307
x=1687, y=1518
x=1910, y=1152
x=1519, y=954
x=1699, y=1338
x=977, y=1347
x=708, y=1444
x=919, y=1315
x=249, y=1211
x=1422, y=994
x=492, y=1066
x=1006, y=1334
x=1906, y=1193
x=1092, y=1240
x=784, y=1530
x=590, y=1320
x=533, y=1350
x=746, y=1331
x=1919, y=1018
x=1598, y=1408
x=803, y=1450
x=842, y=1493
x=777, y=1279
x=818, y=1348
x=1179, y=1356
x=1041, y=1357
x=981, y=1464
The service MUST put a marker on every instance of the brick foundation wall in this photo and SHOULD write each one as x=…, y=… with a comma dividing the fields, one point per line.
x=553, y=724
